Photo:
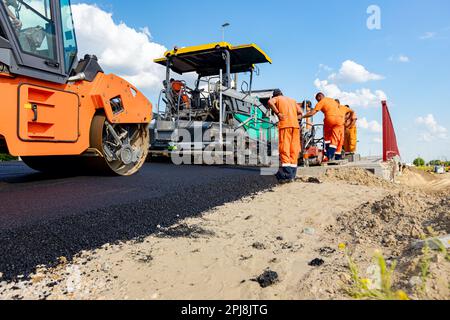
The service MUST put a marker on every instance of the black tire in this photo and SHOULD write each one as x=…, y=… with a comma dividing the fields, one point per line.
x=90, y=165
x=116, y=167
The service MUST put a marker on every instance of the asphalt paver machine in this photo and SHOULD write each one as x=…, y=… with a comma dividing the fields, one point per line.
x=217, y=102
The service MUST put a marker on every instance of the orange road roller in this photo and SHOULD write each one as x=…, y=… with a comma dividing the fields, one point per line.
x=59, y=113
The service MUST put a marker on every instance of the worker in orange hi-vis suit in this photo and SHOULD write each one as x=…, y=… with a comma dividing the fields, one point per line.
x=333, y=123
x=288, y=112
x=351, y=130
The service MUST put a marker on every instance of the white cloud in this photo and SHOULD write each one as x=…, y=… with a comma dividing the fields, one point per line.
x=428, y=35
x=121, y=49
x=372, y=126
x=433, y=130
x=352, y=72
x=403, y=58
x=400, y=58
x=323, y=68
x=360, y=98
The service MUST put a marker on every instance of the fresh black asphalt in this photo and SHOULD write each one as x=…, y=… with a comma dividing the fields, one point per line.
x=43, y=218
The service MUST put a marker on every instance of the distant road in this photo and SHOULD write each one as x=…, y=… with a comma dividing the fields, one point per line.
x=43, y=218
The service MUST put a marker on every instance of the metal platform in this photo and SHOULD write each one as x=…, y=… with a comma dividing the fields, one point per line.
x=374, y=165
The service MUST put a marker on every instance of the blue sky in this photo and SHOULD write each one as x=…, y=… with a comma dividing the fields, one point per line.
x=409, y=55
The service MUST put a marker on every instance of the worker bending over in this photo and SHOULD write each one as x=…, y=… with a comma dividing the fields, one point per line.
x=288, y=113
x=333, y=124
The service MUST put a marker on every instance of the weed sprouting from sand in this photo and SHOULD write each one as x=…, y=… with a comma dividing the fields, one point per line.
x=427, y=254
x=365, y=288
x=425, y=264
x=386, y=276
x=360, y=287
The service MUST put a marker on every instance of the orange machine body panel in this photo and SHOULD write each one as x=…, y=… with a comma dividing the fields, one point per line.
x=39, y=118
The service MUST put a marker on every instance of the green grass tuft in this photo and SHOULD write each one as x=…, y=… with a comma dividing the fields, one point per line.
x=361, y=288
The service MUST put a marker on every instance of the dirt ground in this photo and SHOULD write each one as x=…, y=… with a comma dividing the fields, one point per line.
x=302, y=232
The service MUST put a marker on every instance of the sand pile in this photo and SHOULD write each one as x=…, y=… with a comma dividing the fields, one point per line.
x=426, y=181
x=355, y=176
x=397, y=220
x=391, y=225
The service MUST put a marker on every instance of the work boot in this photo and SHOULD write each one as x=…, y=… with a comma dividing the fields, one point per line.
x=282, y=174
x=331, y=153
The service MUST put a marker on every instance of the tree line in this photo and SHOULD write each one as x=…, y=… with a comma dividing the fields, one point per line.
x=419, y=162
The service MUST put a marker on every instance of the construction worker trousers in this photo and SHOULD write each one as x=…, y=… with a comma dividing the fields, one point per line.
x=334, y=139
x=289, y=147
